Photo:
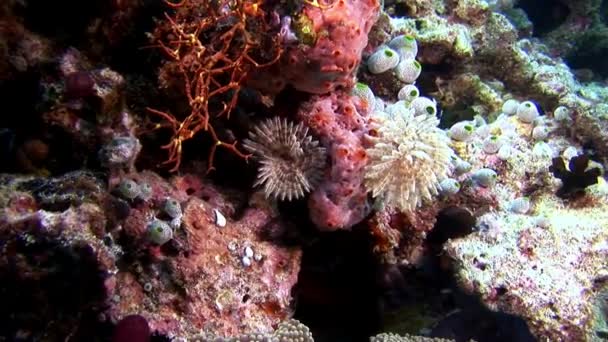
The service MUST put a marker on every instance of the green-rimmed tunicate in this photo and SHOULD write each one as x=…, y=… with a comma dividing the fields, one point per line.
x=492, y=144
x=408, y=70
x=509, y=107
x=364, y=92
x=527, y=112
x=461, y=131
x=449, y=186
x=128, y=189
x=172, y=207
x=382, y=60
x=484, y=177
x=159, y=232
x=405, y=45
x=408, y=93
x=424, y=106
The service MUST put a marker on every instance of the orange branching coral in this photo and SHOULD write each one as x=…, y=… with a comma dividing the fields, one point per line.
x=212, y=46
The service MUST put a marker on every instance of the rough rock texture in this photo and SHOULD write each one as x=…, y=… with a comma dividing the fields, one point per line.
x=210, y=285
x=547, y=274
x=69, y=235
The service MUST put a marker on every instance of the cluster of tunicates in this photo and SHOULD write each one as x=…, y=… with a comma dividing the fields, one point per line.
x=130, y=190
x=160, y=229
x=399, y=55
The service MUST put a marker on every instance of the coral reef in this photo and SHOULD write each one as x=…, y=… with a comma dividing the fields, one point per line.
x=390, y=170
x=326, y=45
x=201, y=275
x=546, y=271
x=339, y=120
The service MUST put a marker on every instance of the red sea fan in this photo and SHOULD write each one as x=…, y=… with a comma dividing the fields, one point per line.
x=291, y=161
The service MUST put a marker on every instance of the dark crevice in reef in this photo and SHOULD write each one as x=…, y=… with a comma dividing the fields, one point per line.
x=63, y=282
x=546, y=15
x=590, y=51
x=337, y=293
x=63, y=20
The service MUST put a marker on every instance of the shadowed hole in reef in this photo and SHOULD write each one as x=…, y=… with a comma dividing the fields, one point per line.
x=545, y=15
x=37, y=301
x=336, y=294
x=590, y=51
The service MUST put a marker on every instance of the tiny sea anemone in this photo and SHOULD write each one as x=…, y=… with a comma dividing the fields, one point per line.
x=291, y=161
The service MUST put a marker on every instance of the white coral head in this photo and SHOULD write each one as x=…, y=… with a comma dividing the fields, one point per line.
x=291, y=161
x=408, y=159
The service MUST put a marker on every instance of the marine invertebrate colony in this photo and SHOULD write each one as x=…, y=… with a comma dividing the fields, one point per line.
x=212, y=47
x=291, y=161
x=408, y=159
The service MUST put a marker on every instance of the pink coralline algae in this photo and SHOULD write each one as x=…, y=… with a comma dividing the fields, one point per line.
x=331, y=40
x=216, y=275
x=340, y=121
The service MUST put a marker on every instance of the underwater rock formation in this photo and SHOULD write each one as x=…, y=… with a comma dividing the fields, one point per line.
x=97, y=245
x=461, y=144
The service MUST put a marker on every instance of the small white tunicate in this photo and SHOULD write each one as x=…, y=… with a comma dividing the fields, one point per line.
x=248, y=251
x=405, y=45
x=220, y=220
x=483, y=131
x=461, y=166
x=504, y=152
x=520, y=205
x=365, y=93
x=540, y=133
x=246, y=261
x=492, y=144
x=542, y=150
x=424, y=106
x=510, y=107
x=382, y=60
x=408, y=70
x=171, y=207
x=542, y=221
x=479, y=121
x=175, y=223
x=484, y=177
x=449, y=186
x=527, y=112
x=145, y=191
x=461, y=131
x=541, y=121
x=159, y=232
x=408, y=93
x=561, y=113
x=258, y=257
x=570, y=152
x=378, y=104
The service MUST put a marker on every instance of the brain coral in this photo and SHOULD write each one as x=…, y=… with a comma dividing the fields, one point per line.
x=409, y=157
